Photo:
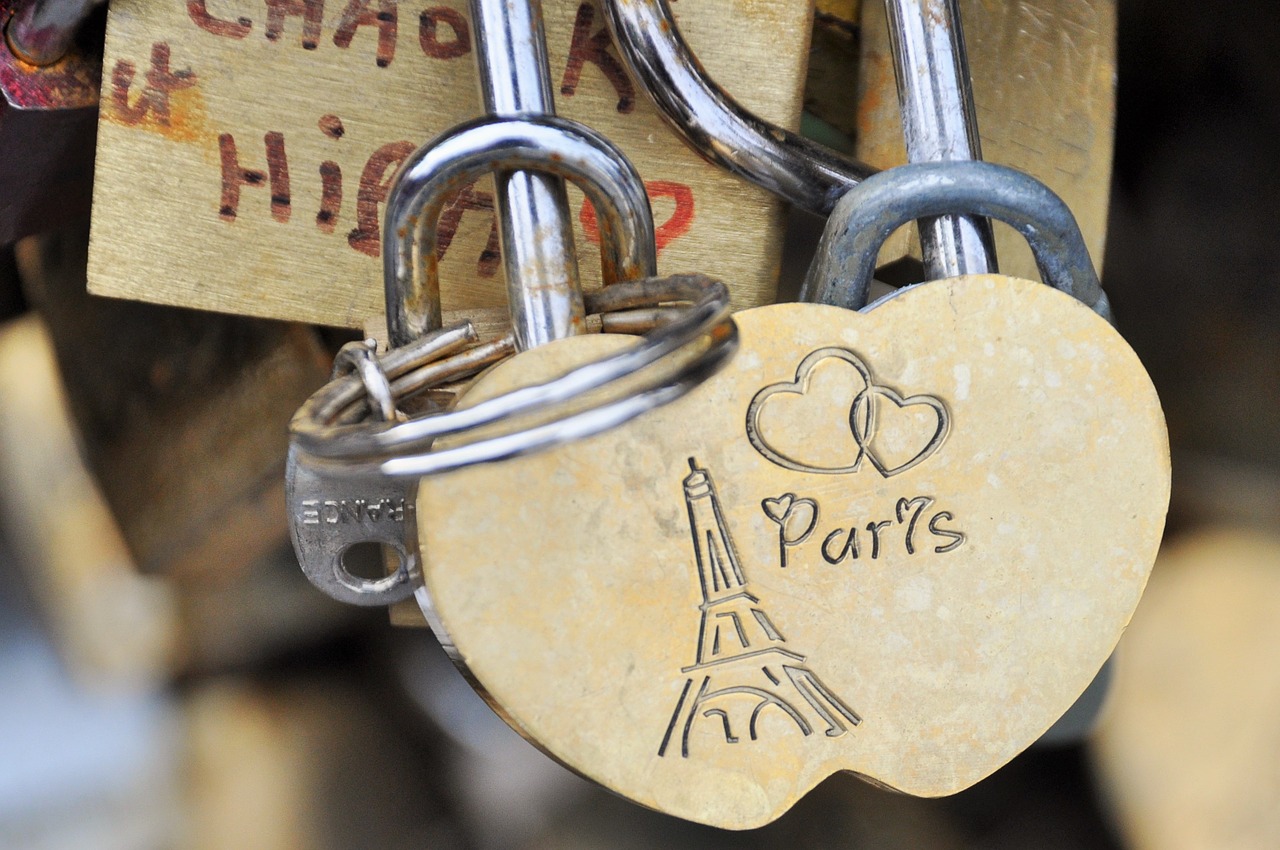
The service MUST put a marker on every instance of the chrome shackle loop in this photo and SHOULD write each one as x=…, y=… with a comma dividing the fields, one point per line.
x=713, y=124
x=868, y=213
x=535, y=143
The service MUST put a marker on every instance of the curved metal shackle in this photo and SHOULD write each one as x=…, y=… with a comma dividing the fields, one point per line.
x=711, y=122
x=468, y=151
x=863, y=219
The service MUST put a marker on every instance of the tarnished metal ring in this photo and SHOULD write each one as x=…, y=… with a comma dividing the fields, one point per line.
x=696, y=359
x=449, y=354
x=361, y=358
x=533, y=143
x=869, y=212
x=362, y=449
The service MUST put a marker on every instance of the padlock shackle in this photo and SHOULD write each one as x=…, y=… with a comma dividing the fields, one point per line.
x=534, y=225
x=534, y=143
x=718, y=128
x=866, y=216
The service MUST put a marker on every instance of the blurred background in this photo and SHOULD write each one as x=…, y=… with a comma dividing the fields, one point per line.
x=169, y=679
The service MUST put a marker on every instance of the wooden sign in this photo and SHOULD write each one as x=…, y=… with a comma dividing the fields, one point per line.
x=246, y=147
x=899, y=543
x=1044, y=77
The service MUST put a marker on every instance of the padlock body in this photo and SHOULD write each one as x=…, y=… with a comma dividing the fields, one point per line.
x=48, y=129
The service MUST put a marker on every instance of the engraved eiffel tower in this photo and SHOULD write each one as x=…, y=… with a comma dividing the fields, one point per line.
x=744, y=665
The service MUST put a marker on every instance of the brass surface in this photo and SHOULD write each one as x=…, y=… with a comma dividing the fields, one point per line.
x=679, y=609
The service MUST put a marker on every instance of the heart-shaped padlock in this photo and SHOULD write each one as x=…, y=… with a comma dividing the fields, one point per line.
x=898, y=542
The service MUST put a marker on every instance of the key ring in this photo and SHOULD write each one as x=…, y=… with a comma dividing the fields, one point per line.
x=701, y=337
x=360, y=359
x=401, y=449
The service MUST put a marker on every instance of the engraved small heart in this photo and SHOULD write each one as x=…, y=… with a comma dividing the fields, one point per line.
x=796, y=519
x=670, y=611
x=778, y=508
x=897, y=433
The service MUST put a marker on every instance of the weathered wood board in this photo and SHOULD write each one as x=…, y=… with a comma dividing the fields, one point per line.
x=245, y=147
x=1044, y=88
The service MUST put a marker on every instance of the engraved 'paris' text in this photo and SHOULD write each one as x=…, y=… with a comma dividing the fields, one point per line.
x=914, y=527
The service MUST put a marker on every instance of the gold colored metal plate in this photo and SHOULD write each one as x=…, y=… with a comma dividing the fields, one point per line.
x=898, y=543
x=245, y=149
x=1044, y=77
x=1199, y=656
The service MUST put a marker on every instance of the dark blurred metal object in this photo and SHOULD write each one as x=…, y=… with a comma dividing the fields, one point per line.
x=48, y=116
x=41, y=32
x=182, y=413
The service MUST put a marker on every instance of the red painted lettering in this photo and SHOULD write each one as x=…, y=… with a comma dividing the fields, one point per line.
x=154, y=100
x=358, y=14
x=469, y=198
x=311, y=12
x=330, y=196
x=429, y=37
x=238, y=28
x=595, y=48
x=676, y=225
x=235, y=176
x=375, y=182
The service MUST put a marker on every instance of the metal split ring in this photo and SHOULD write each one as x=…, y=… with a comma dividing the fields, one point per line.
x=342, y=469
x=703, y=330
x=361, y=358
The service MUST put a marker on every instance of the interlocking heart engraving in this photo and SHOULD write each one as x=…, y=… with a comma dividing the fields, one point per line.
x=709, y=613
x=865, y=418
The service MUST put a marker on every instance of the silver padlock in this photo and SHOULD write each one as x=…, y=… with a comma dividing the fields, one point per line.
x=351, y=482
